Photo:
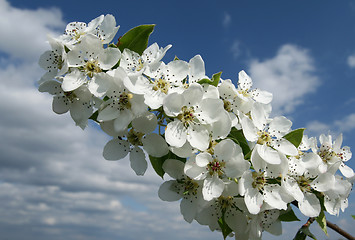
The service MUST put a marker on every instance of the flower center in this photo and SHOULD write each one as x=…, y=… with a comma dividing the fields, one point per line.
x=188, y=185
x=135, y=138
x=92, y=67
x=216, y=167
x=161, y=85
x=187, y=115
x=264, y=137
x=225, y=202
x=227, y=105
x=245, y=93
x=259, y=180
x=304, y=183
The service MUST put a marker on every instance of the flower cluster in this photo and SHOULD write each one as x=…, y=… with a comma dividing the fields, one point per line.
x=233, y=166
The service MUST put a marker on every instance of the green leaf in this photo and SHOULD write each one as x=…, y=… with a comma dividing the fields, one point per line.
x=157, y=162
x=94, y=116
x=322, y=222
x=303, y=233
x=289, y=216
x=226, y=230
x=295, y=136
x=238, y=137
x=136, y=39
x=353, y=216
x=213, y=81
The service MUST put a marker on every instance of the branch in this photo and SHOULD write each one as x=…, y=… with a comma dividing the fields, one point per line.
x=329, y=224
x=340, y=231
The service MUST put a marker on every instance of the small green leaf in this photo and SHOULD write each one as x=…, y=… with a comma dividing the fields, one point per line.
x=213, y=81
x=322, y=222
x=295, y=136
x=157, y=162
x=289, y=216
x=94, y=116
x=238, y=137
x=303, y=233
x=226, y=230
x=136, y=39
x=353, y=216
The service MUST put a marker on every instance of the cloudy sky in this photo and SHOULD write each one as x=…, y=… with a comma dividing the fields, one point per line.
x=54, y=182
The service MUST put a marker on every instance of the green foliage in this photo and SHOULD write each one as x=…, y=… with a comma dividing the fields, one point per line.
x=295, y=136
x=226, y=230
x=136, y=39
x=289, y=216
x=353, y=216
x=303, y=233
x=157, y=162
x=322, y=222
x=214, y=81
x=238, y=137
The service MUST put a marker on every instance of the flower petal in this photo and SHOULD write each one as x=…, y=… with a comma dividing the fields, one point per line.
x=138, y=162
x=116, y=149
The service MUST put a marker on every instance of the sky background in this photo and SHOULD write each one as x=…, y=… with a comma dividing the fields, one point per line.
x=54, y=182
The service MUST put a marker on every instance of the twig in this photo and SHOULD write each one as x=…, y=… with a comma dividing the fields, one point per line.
x=340, y=231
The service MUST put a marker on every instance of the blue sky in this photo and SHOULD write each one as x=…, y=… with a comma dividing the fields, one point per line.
x=54, y=183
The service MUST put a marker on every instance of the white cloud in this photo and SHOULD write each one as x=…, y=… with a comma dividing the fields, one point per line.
x=54, y=181
x=22, y=30
x=235, y=49
x=289, y=75
x=351, y=61
x=226, y=20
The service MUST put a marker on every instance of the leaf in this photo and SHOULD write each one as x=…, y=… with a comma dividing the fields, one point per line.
x=157, y=162
x=303, y=233
x=226, y=230
x=289, y=216
x=136, y=39
x=295, y=136
x=322, y=222
x=353, y=216
x=94, y=116
x=238, y=137
x=213, y=81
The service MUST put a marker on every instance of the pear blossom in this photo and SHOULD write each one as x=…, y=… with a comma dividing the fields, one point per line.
x=336, y=198
x=122, y=106
x=192, y=114
x=79, y=102
x=135, y=65
x=196, y=69
x=333, y=154
x=182, y=187
x=140, y=137
x=227, y=161
x=256, y=189
x=268, y=136
x=89, y=59
x=158, y=83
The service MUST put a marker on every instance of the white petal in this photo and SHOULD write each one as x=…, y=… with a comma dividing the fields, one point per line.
x=166, y=193
x=268, y=154
x=116, y=149
x=244, y=81
x=175, y=134
x=311, y=160
x=253, y=200
x=155, y=145
x=60, y=104
x=212, y=188
x=174, y=168
x=138, y=162
x=208, y=109
x=173, y=103
x=188, y=209
x=197, y=69
x=237, y=222
x=281, y=124
x=257, y=161
x=193, y=95
x=272, y=196
x=193, y=171
x=291, y=186
x=249, y=129
x=145, y=123
x=198, y=136
x=123, y=120
x=310, y=205
x=221, y=128
x=202, y=159
x=73, y=81
x=185, y=151
x=285, y=147
x=109, y=57
x=99, y=84
x=346, y=171
x=262, y=96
